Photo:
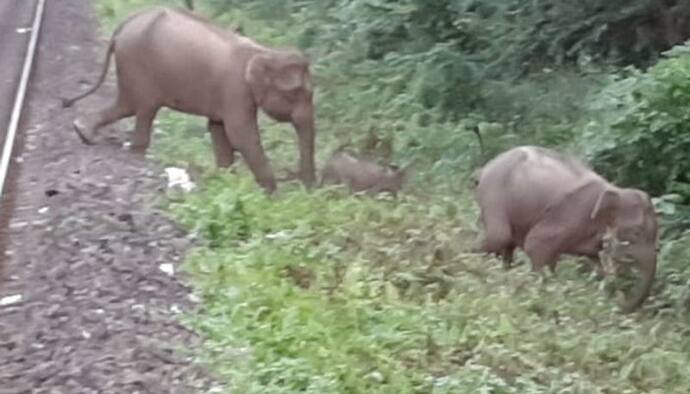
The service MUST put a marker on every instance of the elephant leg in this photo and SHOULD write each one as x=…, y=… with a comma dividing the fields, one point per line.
x=141, y=139
x=119, y=109
x=507, y=256
x=305, y=137
x=222, y=148
x=498, y=240
x=541, y=251
x=245, y=138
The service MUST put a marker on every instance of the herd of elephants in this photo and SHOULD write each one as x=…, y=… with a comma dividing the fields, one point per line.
x=540, y=200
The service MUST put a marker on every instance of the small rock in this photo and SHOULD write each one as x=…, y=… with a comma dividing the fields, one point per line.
x=126, y=217
x=51, y=192
x=11, y=299
x=18, y=225
x=54, y=311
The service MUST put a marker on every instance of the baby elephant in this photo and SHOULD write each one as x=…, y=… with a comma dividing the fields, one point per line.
x=362, y=175
x=549, y=204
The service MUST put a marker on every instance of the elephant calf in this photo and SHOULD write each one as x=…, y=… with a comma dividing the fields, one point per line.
x=362, y=175
x=176, y=59
x=549, y=205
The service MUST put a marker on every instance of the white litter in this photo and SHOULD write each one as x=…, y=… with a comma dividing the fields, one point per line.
x=178, y=177
x=43, y=210
x=283, y=234
x=9, y=300
x=167, y=268
x=23, y=30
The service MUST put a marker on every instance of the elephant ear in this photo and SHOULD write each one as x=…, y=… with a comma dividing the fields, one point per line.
x=258, y=77
x=288, y=78
x=605, y=206
x=571, y=215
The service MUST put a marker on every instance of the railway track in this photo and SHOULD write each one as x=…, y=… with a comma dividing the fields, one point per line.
x=15, y=36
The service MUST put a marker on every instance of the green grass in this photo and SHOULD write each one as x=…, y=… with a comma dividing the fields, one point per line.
x=323, y=292
x=339, y=294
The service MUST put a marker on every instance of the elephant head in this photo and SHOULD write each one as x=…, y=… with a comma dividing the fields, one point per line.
x=632, y=225
x=280, y=83
x=393, y=179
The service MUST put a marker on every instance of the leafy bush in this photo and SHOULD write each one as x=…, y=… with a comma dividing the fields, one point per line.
x=645, y=139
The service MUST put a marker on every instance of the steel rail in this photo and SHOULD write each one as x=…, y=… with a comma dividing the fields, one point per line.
x=21, y=93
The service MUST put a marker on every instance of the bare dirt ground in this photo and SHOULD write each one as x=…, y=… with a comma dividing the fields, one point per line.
x=84, y=243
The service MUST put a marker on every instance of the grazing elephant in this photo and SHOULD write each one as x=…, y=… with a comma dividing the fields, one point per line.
x=173, y=58
x=362, y=175
x=548, y=205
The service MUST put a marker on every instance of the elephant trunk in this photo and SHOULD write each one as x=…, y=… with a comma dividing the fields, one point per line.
x=641, y=290
x=304, y=125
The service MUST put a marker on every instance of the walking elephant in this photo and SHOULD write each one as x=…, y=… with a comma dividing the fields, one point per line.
x=173, y=58
x=549, y=204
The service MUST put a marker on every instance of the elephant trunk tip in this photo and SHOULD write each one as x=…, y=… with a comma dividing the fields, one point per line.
x=641, y=290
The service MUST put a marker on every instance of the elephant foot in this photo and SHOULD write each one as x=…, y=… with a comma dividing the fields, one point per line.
x=137, y=149
x=288, y=177
x=309, y=181
x=269, y=186
x=79, y=128
x=66, y=103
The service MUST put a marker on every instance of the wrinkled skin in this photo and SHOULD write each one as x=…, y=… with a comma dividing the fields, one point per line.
x=548, y=205
x=173, y=58
x=361, y=175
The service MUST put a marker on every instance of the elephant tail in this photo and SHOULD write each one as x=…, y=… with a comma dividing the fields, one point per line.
x=476, y=131
x=68, y=102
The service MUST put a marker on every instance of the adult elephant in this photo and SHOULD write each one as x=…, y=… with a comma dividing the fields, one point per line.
x=549, y=204
x=176, y=59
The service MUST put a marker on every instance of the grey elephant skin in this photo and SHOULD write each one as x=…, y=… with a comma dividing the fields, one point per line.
x=360, y=175
x=173, y=58
x=549, y=204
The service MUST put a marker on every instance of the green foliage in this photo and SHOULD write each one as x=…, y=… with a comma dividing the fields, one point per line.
x=325, y=293
x=381, y=296
x=644, y=139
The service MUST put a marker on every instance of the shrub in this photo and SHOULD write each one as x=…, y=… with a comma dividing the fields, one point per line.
x=644, y=139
